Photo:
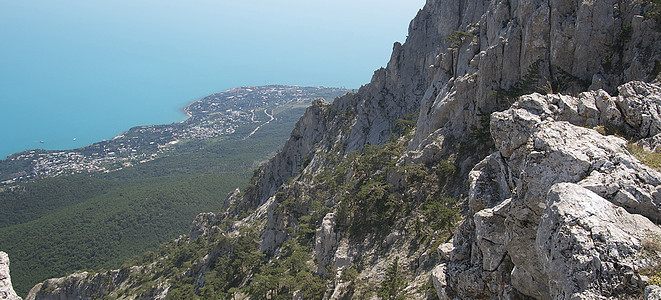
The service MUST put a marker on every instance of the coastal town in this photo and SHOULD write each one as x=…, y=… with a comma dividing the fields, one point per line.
x=235, y=111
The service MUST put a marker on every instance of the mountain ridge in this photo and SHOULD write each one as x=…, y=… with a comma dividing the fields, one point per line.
x=361, y=203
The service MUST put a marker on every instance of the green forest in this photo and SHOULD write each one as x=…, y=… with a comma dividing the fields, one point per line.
x=54, y=226
x=229, y=261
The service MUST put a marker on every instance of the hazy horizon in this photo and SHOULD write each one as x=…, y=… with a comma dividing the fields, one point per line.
x=90, y=70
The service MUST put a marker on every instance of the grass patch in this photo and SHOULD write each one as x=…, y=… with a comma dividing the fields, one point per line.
x=650, y=159
x=652, y=248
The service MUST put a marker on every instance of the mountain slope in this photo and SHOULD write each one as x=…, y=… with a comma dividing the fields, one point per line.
x=57, y=225
x=367, y=190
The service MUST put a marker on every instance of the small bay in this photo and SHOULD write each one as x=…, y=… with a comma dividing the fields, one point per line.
x=75, y=72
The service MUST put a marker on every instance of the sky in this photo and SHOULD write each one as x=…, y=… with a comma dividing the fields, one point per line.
x=94, y=68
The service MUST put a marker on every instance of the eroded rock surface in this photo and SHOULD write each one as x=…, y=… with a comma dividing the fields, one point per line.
x=6, y=289
x=566, y=207
x=590, y=248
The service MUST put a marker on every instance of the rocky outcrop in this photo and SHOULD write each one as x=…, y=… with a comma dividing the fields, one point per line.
x=590, y=248
x=325, y=241
x=653, y=292
x=566, y=209
x=100, y=285
x=493, y=51
x=6, y=289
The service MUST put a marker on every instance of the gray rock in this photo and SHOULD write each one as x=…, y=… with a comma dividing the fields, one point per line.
x=274, y=233
x=651, y=144
x=444, y=251
x=640, y=103
x=512, y=36
x=438, y=280
x=6, y=288
x=588, y=246
x=489, y=183
x=87, y=286
x=490, y=235
x=202, y=224
x=542, y=141
x=325, y=242
x=652, y=292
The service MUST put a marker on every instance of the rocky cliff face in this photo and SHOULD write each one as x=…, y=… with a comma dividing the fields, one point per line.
x=561, y=211
x=6, y=289
x=553, y=206
x=493, y=51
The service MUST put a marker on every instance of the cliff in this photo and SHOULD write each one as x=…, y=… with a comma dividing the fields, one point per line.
x=483, y=162
x=6, y=289
x=561, y=211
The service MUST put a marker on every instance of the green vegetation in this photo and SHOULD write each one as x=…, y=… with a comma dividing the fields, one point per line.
x=405, y=126
x=651, y=159
x=654, y=11
x=457, y=38
x=105, y=230
x=656, y=70
x=368, y=204
x=534, y=81
x=55, y=226
x=135, y=209
x=651, y=250
x=291, y=272
x=39, y=198
x=394, y=282
x=482, y=133
x=233, y=265
x=368, y=201
x=612, y=62
x=526, y=85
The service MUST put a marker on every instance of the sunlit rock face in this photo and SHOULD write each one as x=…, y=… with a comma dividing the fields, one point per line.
x=6, y=289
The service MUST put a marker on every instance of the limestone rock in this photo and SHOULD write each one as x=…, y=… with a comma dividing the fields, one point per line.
x=6, y=289
x=444, y=251
x=640, y=103
x=541, y=142
x=651, y=144
x=652, y=292
x=273, y=234
x=490, y=235
x=325, y=241
x=511, y=37
x=588, y=246
x=84, y=286
x=342, y=257
x=489, y=183
x=202, y=224
x=438, y=280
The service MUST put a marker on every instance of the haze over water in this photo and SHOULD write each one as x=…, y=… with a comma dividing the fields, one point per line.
x=92, y=69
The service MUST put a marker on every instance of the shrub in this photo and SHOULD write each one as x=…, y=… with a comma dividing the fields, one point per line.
x=393, y=283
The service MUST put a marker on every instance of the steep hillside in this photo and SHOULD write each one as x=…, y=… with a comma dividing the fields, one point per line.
x=469, y=135
x=57, y=225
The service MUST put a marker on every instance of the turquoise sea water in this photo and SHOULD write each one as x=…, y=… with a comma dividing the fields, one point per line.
x=90, y=70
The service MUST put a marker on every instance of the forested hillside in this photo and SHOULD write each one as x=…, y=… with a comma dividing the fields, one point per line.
x=57, y=225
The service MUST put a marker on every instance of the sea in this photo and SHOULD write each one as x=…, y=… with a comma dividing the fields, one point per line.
x=75, y=72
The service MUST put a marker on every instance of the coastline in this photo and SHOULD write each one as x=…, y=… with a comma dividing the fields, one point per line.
x=217, y=115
